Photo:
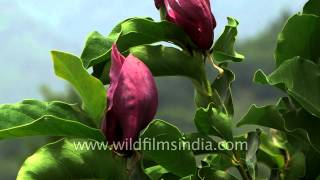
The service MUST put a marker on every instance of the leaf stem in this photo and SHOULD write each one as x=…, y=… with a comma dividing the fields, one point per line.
x=215, y=66
x=240, y=166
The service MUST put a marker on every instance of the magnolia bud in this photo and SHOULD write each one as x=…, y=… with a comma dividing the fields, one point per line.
x=194, y=16
x=132, y=99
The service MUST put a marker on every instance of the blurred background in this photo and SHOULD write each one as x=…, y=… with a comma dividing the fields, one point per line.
x=29, y=29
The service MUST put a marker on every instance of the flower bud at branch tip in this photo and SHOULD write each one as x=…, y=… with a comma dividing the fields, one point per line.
x=194, y=16
x=132, y=98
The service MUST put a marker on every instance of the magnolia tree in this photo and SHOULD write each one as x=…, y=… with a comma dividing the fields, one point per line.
x=112, y=135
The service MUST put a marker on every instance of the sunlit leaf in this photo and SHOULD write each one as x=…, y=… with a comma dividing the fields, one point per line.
x=63, y=160
x=91, y=90
x=172, y=152
x=210, y=121
x=300, y=37
x=33, y=118
x=223, y=49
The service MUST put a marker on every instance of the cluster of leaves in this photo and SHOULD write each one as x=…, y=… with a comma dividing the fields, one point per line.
x=295, y=118
x=60, y=160
x=289, y=151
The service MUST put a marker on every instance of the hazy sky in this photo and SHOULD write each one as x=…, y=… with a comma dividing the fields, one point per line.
x=29, y=29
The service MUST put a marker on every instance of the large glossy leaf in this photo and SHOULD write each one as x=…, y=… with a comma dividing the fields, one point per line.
x=91, y=90
x=223, y=49
x=300, y=78
x=210, y=121
x=312, y=7
x=171, y=151
x=32, y=118
x=129, y=33
x=63, y=160
x=300, y=37
x=297, y=122
x=162, y=61
x=168, y=61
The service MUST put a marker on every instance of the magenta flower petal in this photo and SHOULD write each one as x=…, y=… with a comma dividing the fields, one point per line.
x=132, y=98
x=195, y=17
x=117, y=61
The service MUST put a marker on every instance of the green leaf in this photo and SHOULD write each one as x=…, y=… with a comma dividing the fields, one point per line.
x=91, y=90
x=171, y=151
x=223, y=49
x=312, y=164
x=269, y=153
x=62, y=160
x=129, y=33
x=312, y=7
x=155, y=172
x=95, y=48
x=217, y=161
x=253, y=142
x=295, y=122
x=188, y=178
x=296, y=167
x=162, y=61
x=210, y=121
x=32, y=118
x=168, y=61
x=300, y=78
x=210, y=173
x=300, y=37
x=223, y=87
x=209, y=145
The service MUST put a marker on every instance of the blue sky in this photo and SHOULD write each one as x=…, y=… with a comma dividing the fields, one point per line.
x=29, y=29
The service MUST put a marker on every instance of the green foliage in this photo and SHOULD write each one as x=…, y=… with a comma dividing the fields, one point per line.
x=312, y=7
x=127, y=34
x=287, y=120
x=296, y=167
x=61, y=160
x=156, y=172
x=269, y=153
x=33, y=118
x=210, y=121
x=168, y=61
x=223, y=49
x=253, y=141
x=217, y=161
x=179, y=161
x=305, y=30
x=290, y=149
x=91, y=90
x=210, y=173
x=130, y=33
x=222, y=87
x=299, y=78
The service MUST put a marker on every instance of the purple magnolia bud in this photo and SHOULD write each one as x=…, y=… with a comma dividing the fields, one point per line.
x=158, y=3
x=132, y=99
x=194, y=16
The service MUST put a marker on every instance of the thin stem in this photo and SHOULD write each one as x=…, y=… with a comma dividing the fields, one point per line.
x=203, y=87
x=210, y=58
x=240, y=166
